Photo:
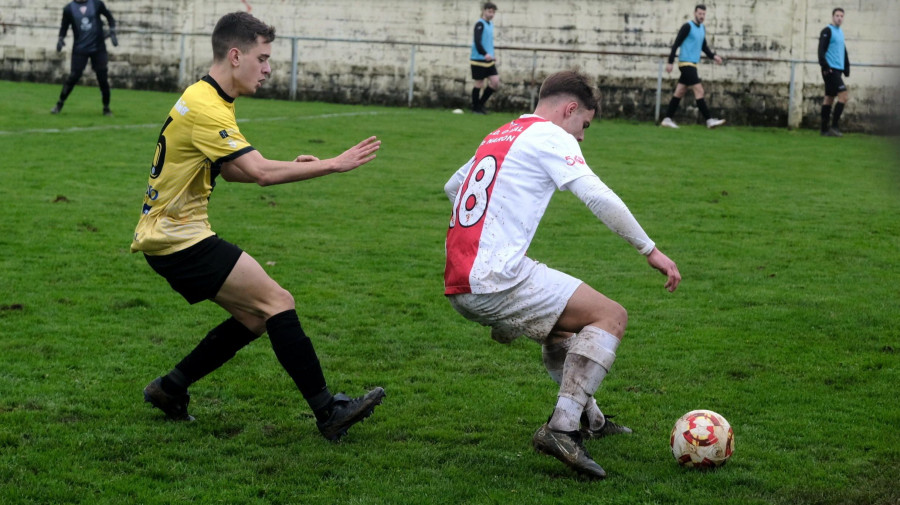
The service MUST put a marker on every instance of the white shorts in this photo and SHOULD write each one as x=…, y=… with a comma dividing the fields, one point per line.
x=530, y=308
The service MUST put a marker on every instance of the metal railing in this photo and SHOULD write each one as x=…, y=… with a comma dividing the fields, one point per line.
x=794, y=112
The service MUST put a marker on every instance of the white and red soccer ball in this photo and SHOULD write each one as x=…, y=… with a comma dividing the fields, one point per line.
x=702, y=438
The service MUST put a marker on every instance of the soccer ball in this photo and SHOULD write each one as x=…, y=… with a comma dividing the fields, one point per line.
x=702, y=438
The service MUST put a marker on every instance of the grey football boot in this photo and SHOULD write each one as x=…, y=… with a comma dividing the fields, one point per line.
x=174, y=406
x=608, y=428
x=568, y=447
x=346, y=411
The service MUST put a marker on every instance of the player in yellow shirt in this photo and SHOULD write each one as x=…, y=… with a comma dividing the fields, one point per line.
x=200, y=141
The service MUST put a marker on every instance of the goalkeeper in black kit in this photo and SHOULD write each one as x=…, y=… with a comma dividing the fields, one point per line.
x=88, y=44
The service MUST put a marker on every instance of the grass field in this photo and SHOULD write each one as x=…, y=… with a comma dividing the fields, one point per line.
x=786, y=321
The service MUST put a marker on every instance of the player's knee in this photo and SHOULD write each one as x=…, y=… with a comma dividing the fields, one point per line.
x=275, y=302
x=614, y=318
x=620, y=314
x=281, y=301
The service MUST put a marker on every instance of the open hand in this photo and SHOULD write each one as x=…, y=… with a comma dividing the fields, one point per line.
x=358, y=155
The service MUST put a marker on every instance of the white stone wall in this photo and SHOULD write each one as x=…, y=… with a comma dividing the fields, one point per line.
x=754, y=92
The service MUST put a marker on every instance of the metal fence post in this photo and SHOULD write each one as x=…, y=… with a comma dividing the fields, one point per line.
x=182, y=64
x=534, y=58
x=793, y=119
x=659, y=73
x=412, y=74
x=293, y=91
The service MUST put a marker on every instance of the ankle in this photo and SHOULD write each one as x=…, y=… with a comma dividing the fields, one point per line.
x=322, y=405
x=566, y=417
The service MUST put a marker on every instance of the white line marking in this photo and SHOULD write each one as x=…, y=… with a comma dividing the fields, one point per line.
x=159, y=125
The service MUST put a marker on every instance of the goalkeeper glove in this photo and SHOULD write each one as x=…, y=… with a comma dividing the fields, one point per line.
x=59, y=44
x=113, y=38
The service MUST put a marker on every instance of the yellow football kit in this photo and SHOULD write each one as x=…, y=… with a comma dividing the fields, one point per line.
x=199, y=135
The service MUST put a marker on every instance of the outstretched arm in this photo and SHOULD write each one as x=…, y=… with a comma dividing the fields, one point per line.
x=253, y=167
x=613, y=212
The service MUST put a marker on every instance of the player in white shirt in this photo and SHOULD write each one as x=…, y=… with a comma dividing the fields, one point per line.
x=499, y=198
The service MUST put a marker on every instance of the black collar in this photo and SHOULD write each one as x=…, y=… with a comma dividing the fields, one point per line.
x=212, y=82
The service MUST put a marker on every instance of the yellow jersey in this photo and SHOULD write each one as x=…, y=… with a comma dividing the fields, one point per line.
x=199, y=135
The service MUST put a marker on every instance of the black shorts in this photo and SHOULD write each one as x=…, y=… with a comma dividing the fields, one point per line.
x=99, y=61
x=834, y=83
x=199, y=271
x=689, y=75
x=480, y=72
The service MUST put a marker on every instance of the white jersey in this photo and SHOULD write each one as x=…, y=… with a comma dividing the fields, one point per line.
x=501, y=195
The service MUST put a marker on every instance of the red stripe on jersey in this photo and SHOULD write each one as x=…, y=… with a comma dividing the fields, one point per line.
x=472, y=201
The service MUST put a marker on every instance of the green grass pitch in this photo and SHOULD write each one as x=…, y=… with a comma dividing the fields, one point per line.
x=786, y=321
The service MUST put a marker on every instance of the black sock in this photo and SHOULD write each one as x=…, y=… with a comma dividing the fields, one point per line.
x=475, y=101
x=701, y=104
x=838, y=110
x=219, y=346
x=175, y=383
x=826, y=114
x=66, y=89
x=488, y=91
x=673, y=106
x=296, y=354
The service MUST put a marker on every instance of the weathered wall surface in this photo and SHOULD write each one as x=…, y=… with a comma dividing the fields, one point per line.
x=744, y=91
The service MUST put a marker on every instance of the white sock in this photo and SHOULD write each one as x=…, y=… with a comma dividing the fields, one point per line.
x=595, y=416
x=567, y=415
x=587, y=363
x=554, y=358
